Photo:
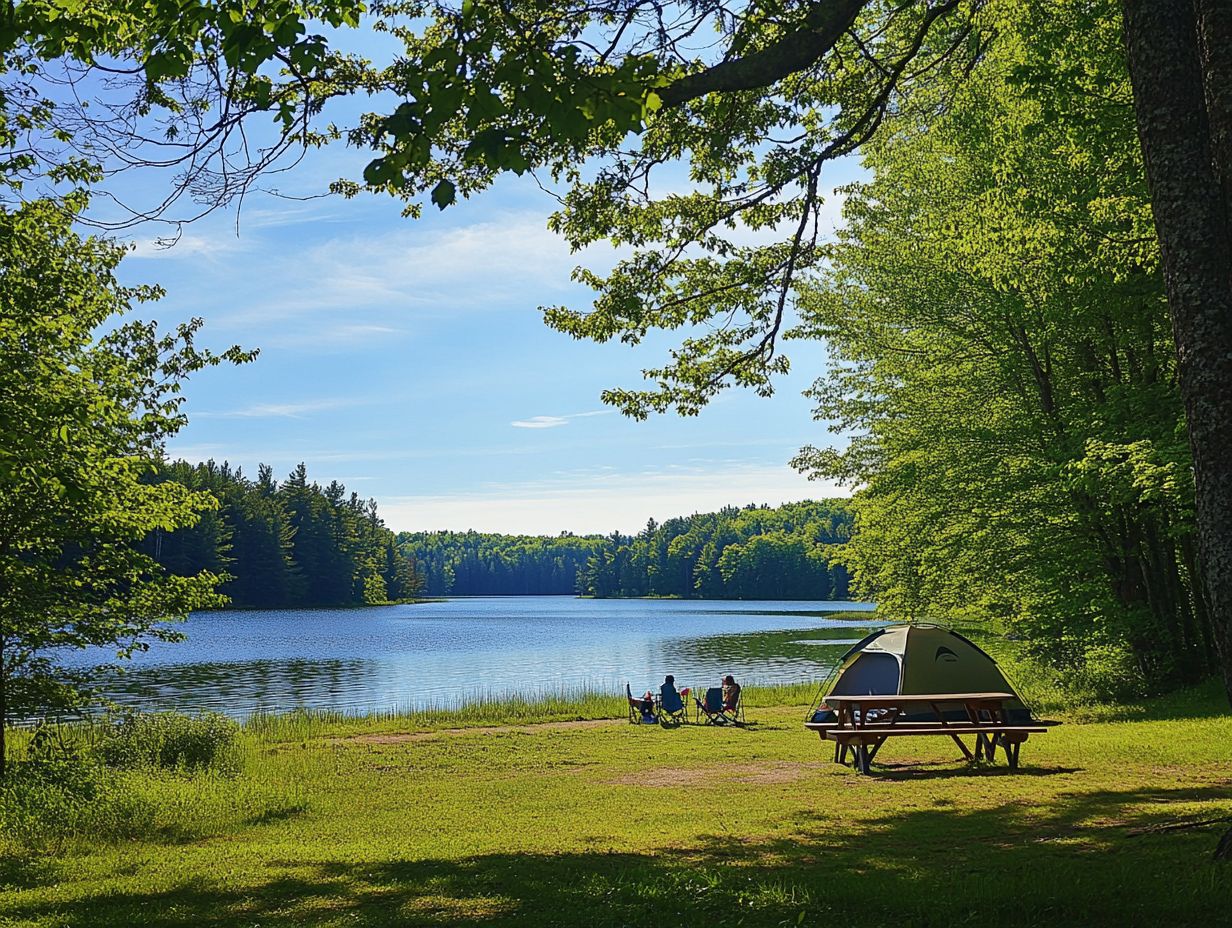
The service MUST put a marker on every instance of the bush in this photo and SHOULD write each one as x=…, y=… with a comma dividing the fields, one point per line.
x=82, y=785
x=172, y=741
x=1110, y=674
x=59, y=792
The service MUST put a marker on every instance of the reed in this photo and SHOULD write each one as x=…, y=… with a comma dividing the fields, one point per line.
x=480, y=709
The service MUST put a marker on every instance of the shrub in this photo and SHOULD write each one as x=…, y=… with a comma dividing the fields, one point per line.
x=1110, y=673
x=60, y=792
x=172, y=741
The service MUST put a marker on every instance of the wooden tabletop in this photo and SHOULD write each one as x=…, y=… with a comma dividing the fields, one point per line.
x=889, y=701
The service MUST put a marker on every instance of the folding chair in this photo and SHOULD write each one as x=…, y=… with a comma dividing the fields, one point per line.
x=712, y=711
x=671, y=708
x=710, y=707
x=637, y=713
x=734, y=714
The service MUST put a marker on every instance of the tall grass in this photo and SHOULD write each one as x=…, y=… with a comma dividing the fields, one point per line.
x=489, y=709
x=474, y=711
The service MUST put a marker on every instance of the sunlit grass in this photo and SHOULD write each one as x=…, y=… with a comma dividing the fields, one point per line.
x=550, y=810
x=395, y=820
x=490, y=710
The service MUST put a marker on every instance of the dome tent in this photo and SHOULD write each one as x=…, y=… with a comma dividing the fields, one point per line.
x=918, y=660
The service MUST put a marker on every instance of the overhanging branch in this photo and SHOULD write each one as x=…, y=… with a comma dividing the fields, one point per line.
x=825, y=23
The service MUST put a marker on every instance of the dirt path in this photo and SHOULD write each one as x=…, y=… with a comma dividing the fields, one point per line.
x=402, y=737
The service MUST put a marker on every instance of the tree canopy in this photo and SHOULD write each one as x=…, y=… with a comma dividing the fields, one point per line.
x=82, y=419
x=754, y=552
x=280, y=545
x=1001, y=353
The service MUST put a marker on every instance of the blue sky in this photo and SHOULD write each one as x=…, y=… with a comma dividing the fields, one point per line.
x=407, y=358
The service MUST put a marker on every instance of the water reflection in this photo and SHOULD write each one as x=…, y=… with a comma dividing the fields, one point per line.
x=244, y=687
x=445, y=653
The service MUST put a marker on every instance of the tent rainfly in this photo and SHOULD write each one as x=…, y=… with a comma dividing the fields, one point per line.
x=918, y=660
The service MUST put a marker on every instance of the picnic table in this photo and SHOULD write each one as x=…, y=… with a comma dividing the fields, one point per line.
x=864, y=723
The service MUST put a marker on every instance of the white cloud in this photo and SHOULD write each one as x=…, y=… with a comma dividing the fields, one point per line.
x=335, y=337
x=482, y=266
x=276, y=410
x=189, y=245
x=540, y=422
x=603, y=501
x=552, y=422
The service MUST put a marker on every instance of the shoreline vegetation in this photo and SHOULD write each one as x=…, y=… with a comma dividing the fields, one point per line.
x=297, y=544
x=283, y=545
x=555, y=811
x=1049, y=693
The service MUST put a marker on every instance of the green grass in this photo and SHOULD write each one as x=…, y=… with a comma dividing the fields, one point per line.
x=398, y=821
x=566, y=706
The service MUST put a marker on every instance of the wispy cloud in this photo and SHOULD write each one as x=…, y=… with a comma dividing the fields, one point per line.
x=483, y=266
x=345, y=337
x=207, y=245
x=276, y=410
x=553, y=422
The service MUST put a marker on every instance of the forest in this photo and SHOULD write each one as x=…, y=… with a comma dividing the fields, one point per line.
x=1001, y=354
x=757, y=552
x=295, y=543
x=283, y=544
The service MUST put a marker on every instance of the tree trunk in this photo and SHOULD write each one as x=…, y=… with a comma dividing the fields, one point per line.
x=1195, y=238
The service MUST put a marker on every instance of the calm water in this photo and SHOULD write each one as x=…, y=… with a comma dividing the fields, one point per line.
x=436, y=654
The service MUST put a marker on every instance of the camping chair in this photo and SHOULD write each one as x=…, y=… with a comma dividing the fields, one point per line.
x=710, y=707
x=671, y=708
x=636, y=715
x=734, y=714
x=712, y=711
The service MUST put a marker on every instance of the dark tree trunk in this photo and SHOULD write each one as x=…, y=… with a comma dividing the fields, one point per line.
x=1192, y=221
x=1214, y=19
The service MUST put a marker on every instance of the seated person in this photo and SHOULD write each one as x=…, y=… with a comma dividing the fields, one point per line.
x=824, y=713
x=647, y=707
x=669, y=698
x=731, y=693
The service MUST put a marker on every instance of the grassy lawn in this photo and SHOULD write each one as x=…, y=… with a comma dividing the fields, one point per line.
x=602, y=823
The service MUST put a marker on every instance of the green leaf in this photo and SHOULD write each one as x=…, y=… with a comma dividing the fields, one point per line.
x=443, y=194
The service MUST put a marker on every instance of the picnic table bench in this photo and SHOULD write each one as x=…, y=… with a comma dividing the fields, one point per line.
x=864, y=723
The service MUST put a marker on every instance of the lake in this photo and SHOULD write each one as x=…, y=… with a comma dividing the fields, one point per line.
x=445, y=653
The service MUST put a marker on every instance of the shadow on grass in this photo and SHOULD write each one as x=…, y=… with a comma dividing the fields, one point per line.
x=18, y=872
x=271, y=816
x=945, y=771
x=1076, y=860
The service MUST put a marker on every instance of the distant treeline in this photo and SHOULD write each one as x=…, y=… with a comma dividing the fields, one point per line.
x=757, y=552
x=481, y=564
x=285, y=544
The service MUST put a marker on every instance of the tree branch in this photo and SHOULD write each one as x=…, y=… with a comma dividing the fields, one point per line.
x=825, y=23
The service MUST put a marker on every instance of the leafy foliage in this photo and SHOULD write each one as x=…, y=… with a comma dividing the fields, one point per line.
x=91, y=88
x=85, y=405
x=754, y=553
x=1002, y=354
x=757, y=552
x=485, y=564
x=171, y=740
